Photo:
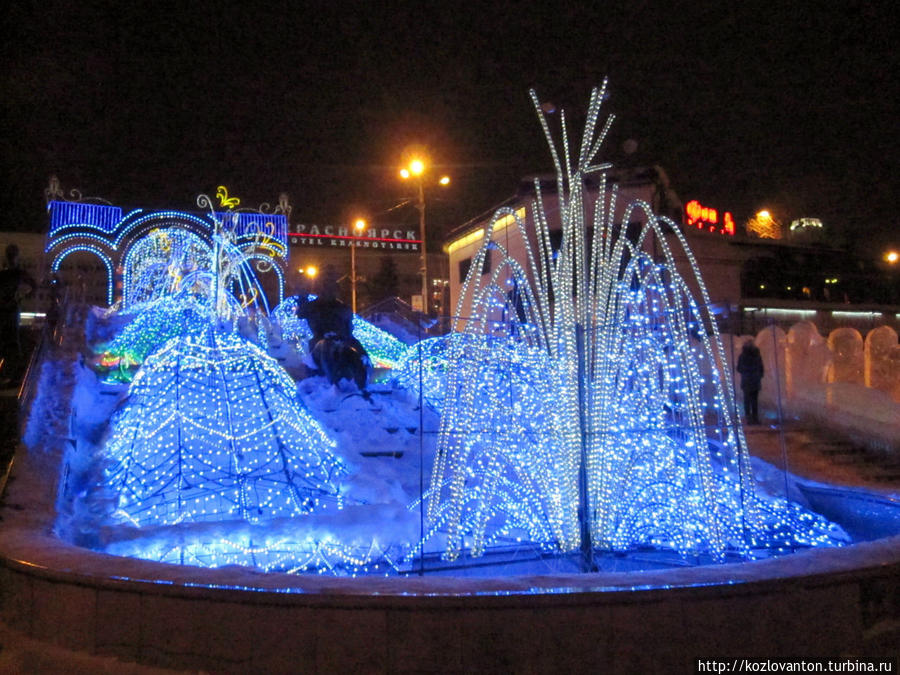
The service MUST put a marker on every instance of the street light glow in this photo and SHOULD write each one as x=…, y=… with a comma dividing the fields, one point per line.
x=764, y=215
x=358, y=225
x=417, y=168
x=892, y=257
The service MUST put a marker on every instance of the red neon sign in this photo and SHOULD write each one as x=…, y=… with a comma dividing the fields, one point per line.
x=706, y=218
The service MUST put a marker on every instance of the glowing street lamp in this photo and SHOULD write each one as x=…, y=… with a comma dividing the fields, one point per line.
x=417, y=169
x=892, y=257
x=358, y=227
x=764, y=225
x=307, y=280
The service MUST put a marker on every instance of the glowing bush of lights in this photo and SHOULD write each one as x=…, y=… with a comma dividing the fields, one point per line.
x=213, y=430
x=575, y=414
x=153, y=325
x=211, y=442
x=384, y=349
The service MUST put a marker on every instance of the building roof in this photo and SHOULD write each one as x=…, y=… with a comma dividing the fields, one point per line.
x=622, y=176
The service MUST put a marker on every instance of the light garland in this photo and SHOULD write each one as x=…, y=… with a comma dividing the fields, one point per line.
x=152, y=326
x=212, y=430
x=586, y=399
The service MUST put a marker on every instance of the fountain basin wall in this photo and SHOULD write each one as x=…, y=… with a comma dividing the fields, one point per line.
x=828, y=602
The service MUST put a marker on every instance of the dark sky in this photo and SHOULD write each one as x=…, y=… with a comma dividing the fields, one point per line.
x=792, y=106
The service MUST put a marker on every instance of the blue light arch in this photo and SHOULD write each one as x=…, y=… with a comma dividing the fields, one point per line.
x=104, y=231
x=86, y=248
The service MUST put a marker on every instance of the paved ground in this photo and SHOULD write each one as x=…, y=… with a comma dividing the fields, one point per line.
x=9, y=427
x=822, y=455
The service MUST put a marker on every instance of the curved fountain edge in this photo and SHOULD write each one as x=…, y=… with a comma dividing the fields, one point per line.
x=43, y=556
x=812, y=603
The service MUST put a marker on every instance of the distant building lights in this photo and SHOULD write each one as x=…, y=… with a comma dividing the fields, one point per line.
x=707, y=218
x=839, y=314
x=805, y=223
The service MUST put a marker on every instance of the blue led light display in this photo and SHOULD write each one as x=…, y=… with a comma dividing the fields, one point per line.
x=212, y=430
x=586, y=409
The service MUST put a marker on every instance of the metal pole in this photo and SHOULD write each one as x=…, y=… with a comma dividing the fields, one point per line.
x=421, y=206
x=353, y=275
x=584, y=505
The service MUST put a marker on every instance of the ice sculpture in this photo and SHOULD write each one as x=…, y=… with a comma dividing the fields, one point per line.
x=585, y=409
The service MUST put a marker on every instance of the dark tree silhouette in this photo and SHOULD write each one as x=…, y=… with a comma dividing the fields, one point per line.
x=385, y=282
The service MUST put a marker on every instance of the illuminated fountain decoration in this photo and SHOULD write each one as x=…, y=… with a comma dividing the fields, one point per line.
x=157, y=264
x=212, y=459
x=585, y=409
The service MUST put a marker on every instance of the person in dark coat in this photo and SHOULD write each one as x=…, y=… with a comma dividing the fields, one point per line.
x=750, y=366
x=327, y=316
x=335, y=351
x=12, y=279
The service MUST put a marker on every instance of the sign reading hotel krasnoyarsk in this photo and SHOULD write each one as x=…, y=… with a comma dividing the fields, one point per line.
x=338, y=236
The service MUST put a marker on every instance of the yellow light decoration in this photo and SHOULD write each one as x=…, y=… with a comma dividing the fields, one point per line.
x=224, y=200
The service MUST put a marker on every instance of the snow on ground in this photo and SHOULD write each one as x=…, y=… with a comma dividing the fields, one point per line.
x=384, y=436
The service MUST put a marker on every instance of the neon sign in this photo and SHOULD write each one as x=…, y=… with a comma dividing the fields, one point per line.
x=706, y=218
x=339, y=236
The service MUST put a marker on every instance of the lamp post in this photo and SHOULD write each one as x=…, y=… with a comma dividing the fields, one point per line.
x=358, y=227
x=416, y=169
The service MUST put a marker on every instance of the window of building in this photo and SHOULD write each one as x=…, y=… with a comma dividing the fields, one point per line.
x=464, y=266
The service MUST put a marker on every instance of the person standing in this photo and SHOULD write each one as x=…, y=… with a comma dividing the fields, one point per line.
x=12, y=278
x=750, y=366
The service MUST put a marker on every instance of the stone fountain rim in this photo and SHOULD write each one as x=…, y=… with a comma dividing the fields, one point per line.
x=41, y=555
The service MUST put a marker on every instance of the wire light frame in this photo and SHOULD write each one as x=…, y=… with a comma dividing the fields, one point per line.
x=586, y=406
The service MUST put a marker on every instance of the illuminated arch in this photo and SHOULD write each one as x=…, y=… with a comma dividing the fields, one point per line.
x=132, y=229
x=77, y=234
x=104, y=258
x=155, y=262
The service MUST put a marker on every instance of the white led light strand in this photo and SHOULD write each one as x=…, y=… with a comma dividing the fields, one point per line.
x=594, y=358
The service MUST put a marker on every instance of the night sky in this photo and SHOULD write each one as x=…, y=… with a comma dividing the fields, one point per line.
x=784, y=105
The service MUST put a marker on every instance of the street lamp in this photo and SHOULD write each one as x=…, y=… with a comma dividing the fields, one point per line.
x=307, y=280
x=358, y=227
x=416, y=169
x=764, y=225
